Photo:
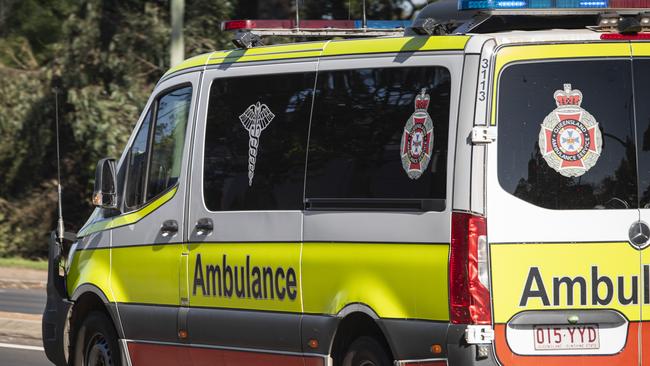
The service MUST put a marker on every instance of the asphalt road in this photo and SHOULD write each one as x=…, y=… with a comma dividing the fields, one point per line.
x=20, y=357
x=22, y=301
x=27, y=302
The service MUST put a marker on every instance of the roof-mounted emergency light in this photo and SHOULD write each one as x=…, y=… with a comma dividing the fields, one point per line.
x=560, y=5
x=314, y=28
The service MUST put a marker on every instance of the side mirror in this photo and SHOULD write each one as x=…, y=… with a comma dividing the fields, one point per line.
x=105, y=194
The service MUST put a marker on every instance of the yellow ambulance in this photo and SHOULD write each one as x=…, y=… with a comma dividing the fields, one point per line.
x=474, y=192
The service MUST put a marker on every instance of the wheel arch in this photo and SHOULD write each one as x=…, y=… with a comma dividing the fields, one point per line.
x=87, y=298
x=356, y=320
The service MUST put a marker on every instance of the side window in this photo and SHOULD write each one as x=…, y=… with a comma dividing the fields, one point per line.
x=642, y=96
x=255, y=142
x=379, y=139
x=168, y=140
x=137, y=166
x=566, y=137
x=155, y=157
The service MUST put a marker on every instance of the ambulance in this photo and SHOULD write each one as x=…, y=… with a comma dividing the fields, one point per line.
x=471, y=190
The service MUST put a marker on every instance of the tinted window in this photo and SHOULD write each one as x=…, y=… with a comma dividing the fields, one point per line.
x=168, y=140
x=361, y=119
x=255, y=141
x=642, y=96
x=137, y=166
x=151, y=169
x=583, y=162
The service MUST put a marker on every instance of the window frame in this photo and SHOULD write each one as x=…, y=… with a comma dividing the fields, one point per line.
x=153, y=108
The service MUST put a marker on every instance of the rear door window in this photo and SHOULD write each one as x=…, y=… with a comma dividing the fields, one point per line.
x=379, y=139
x=566, y=134
x=255, y=143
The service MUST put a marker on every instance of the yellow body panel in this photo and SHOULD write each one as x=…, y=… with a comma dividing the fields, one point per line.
x=401, y=44
x=395, y=280
x=271, y=256
x=511, y=54
x=90, y=267
x=147, y=274
x=641, y=49
x=512, y=265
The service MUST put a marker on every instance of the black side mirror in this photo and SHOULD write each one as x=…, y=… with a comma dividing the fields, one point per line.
x=105, y=194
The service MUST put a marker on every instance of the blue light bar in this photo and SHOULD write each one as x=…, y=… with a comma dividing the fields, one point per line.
x=383, y=24
x=531, y=4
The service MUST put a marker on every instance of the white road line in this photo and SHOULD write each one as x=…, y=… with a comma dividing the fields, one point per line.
x=20, y=346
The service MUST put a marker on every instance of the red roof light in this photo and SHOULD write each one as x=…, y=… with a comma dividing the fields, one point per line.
x=625, y=37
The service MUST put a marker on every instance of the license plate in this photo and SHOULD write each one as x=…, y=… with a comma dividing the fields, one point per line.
x=558, y=337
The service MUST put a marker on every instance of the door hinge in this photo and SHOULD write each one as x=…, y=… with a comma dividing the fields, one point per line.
x=483, y=135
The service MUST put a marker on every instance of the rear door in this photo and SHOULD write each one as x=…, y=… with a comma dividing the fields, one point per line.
x=562, y=195
x=641, y=53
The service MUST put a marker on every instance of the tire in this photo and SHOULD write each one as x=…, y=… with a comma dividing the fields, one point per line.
x=366, y=351
x=97, y=343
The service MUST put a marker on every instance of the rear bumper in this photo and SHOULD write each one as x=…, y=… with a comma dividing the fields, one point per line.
x=55, y=337
x=461, y=353
x=411, y=341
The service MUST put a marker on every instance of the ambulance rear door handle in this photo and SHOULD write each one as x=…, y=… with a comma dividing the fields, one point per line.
x=204, y=226
x=169, y=228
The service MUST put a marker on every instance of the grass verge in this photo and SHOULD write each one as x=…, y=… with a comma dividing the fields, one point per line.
x=17, y=262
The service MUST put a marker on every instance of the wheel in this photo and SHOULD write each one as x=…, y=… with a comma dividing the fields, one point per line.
x=366, y=351
x=97, y=342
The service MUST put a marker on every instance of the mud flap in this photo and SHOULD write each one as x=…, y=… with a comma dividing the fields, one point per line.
x=57, y=307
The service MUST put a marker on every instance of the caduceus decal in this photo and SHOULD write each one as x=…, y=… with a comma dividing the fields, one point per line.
x=256, y=118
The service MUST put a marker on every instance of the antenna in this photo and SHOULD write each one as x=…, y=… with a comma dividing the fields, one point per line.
x=297, y=14
x=60, y=229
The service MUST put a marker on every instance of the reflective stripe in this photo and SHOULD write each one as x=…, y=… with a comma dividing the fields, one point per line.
x=402, y=44
x=326, y=48
x=129, y=218
x=195, y=61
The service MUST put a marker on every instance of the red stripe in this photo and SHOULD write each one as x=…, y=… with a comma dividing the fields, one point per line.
x=162, y=355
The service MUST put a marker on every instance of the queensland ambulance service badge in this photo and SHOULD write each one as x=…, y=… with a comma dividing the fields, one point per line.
x=570, y=140
x=417, y=139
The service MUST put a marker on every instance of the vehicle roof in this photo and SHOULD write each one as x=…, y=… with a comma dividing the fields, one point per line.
x=384, y=45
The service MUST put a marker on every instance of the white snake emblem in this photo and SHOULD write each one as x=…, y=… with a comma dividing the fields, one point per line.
x=255, y=119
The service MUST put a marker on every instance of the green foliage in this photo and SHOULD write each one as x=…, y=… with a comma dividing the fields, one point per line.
x=104, y=58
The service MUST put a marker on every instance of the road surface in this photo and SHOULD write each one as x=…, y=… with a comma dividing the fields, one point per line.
x=17, y=351
x=22, y=301
x=22, y=357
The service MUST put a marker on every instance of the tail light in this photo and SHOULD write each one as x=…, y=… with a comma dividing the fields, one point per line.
x=469, y=295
